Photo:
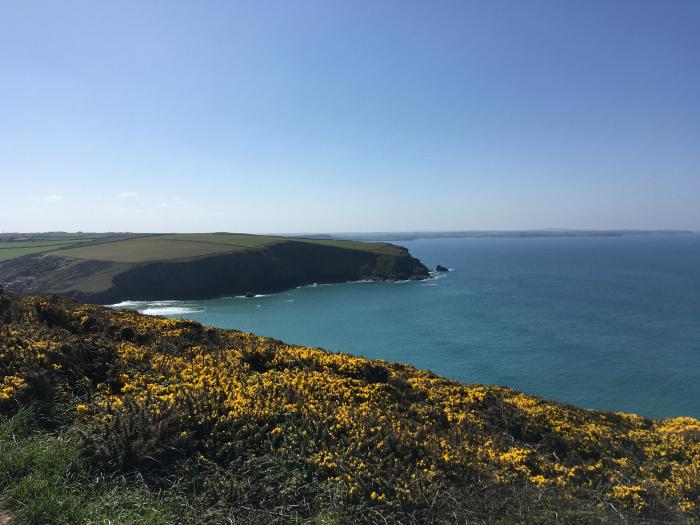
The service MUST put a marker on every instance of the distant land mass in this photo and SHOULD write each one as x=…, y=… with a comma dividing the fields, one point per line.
x=414, y=235
x=108, y=268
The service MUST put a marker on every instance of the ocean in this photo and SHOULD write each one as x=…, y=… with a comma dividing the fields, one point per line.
x=600, y=322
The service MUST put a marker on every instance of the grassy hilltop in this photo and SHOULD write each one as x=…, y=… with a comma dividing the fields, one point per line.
x=136, y=248
x=112, y=415
x=191, y=266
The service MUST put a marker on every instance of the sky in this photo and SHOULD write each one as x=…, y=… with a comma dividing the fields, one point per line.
x=325, y=116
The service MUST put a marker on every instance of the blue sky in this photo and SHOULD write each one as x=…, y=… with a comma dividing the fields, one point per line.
x=349, y=116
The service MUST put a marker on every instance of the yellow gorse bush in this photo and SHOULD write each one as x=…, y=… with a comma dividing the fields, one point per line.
x=380, y=431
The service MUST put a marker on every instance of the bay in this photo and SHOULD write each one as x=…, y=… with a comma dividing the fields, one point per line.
x=599, y=322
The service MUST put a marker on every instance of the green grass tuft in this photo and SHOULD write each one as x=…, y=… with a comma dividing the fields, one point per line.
x=45, y=479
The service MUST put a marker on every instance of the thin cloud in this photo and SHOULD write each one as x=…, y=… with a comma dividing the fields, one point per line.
x=47, y=199
x=129, y=195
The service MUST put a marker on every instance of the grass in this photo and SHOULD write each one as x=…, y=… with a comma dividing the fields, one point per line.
x=168, y=247
x=145, y=249
x=243, y=240
x=136, y=248
x=12, y=249
x=238, y=240
x=40, y=243
x=46, y=480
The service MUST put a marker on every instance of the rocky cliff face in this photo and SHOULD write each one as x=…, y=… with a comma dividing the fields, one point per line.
x=271, y=269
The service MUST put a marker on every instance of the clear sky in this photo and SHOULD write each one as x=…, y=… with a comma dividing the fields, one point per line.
x=297, y=116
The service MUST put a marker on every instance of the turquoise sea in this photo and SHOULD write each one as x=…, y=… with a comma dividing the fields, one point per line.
x=600, y=322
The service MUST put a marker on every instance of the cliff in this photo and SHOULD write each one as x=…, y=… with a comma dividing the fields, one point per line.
x=140, y=419
x=200, y=267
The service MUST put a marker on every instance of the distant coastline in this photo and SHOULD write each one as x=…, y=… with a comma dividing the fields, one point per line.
x=415, y=235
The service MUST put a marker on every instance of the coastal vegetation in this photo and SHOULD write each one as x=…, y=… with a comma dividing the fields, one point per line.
x=111, y=416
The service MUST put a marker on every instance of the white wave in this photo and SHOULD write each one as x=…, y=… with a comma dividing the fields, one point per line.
x=318, y=285
x=125, y=304
x=144, y=304
x=158, y=307
x=169, y=310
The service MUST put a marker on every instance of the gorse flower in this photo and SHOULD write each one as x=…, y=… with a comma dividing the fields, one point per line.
x=11, y=386
x=383, y=432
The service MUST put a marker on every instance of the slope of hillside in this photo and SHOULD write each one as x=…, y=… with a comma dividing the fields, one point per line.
x=199, y=266
x=139, y=419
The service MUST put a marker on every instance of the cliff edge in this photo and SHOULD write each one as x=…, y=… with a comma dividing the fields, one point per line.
x=201, y=267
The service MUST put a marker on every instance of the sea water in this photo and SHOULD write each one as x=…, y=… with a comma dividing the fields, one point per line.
x=601, y=322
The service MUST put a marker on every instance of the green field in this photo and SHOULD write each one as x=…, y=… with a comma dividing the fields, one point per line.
x=169, y=247
x=12, y=249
